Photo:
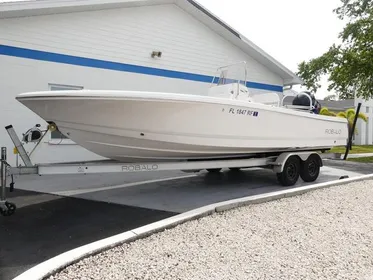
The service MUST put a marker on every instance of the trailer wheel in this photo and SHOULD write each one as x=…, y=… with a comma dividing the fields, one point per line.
x=310, y=169
x=10, y=209
x=290, y=174
x=235, y=169
x=214, y=170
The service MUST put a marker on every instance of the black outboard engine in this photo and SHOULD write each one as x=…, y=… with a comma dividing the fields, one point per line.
x=302, y=99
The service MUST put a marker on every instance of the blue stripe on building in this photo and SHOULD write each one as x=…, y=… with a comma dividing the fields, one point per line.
x=116, y=66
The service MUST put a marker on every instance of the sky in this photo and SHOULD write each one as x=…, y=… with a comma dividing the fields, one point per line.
x=289, y=30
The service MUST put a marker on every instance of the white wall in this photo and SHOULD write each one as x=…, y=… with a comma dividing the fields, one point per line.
x=121, y=35
x=365, y=129
x=129, y=35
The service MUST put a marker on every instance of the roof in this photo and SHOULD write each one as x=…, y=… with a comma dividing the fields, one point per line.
x=338, y=105
x=47, y=7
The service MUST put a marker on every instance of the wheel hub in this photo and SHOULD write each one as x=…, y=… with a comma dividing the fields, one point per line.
x=292, y=171
x=312, y=168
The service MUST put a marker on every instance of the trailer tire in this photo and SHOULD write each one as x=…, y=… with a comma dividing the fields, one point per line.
x=291, y=172
x=214, y=170
x=310, y=169
x=235, y=169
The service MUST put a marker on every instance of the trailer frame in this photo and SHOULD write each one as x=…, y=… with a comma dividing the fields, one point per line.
x=288, y=167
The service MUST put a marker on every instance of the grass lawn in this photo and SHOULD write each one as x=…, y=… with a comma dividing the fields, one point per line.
x=355, y=149
x=363, y=159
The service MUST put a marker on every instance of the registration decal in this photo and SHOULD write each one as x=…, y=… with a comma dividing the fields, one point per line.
x=243, y=112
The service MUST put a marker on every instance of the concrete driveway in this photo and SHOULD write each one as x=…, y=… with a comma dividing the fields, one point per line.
x=59, y=213
x=173, y=191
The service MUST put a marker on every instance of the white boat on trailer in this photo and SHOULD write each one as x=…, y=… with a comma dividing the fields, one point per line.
x=228, y=122
x=145, y=132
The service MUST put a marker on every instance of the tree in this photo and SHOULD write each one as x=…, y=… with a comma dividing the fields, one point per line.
x=348, y=65
x=349, y=114
x=325, y=111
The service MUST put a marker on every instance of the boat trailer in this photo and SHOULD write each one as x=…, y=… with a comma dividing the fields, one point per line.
x=288, y=166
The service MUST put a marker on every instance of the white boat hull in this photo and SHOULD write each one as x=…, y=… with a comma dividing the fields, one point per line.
x=138, y=126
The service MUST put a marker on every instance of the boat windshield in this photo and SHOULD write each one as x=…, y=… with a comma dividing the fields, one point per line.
x=231, y=74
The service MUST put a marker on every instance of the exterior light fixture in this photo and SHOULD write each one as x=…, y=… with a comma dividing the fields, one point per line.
x=156, y=54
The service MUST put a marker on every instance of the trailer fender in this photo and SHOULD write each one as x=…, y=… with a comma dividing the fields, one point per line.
x=279, y=163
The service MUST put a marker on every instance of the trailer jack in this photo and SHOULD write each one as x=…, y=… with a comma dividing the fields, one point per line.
x=6, y=208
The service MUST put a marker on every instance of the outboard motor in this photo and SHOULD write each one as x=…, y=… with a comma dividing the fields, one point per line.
x=303, y=100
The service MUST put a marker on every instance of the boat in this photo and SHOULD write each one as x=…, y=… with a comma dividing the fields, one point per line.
x=226, y=122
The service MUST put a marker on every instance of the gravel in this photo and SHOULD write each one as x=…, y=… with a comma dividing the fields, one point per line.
x=325, y=234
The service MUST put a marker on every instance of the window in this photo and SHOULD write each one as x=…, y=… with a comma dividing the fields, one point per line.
x=64, y=87
x=56, y=135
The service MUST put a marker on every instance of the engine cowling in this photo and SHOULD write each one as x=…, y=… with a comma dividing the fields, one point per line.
x=307, y=99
